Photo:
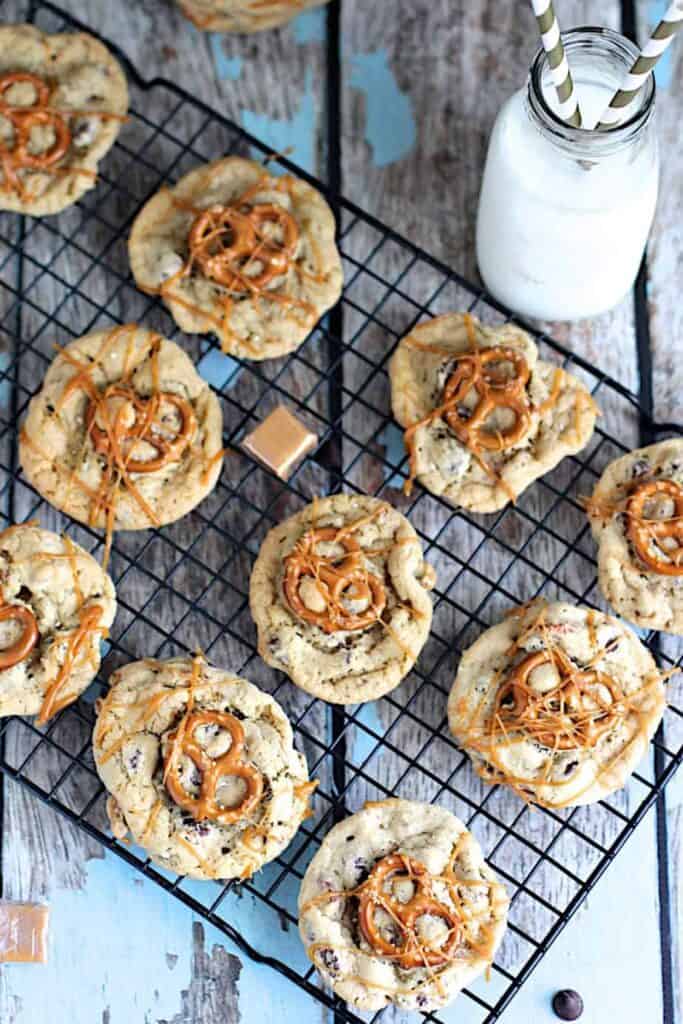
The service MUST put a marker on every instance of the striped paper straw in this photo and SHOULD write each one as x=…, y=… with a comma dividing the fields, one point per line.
x=557, y=59
x=642, y=69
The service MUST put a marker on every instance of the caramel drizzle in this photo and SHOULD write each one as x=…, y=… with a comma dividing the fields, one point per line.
x=17, y=159
x=206, y=806
x=79, y=638
x=473, y=372
x=571, y=715
x=645, y=533
x=116, y=439
x=225, y=241
x=464, y=941
x=89, y=623
x=485, y=741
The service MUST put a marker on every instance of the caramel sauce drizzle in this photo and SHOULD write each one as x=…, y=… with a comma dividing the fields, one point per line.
x=89, y=623
x=206, y=805
x=478, y=370
x=555, y=719
x=463, y=941
x=16, y=157
x=226, y=241
x=645, y=533
x=117, y=421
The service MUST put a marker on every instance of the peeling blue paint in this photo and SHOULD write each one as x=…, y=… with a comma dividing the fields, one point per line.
x=136, y=971
x=226, y=67
x=218, y=369
x=363, y=742
x=297, y=133
x=391, y=437
x=309, y=27
x=389, y=119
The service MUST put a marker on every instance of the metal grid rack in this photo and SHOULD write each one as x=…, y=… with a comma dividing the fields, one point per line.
x=185, y=585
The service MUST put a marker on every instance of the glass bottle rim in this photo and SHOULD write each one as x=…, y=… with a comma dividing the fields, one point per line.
x=612, y=44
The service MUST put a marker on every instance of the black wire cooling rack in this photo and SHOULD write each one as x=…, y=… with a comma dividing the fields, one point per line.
x=186, y=585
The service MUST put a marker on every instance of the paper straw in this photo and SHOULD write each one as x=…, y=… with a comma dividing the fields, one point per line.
x=559, y=68
x=642, y=69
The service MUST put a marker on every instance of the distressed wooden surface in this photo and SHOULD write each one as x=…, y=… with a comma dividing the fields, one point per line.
x=422, y=83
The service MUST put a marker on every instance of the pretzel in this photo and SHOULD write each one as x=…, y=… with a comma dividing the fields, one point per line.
x=134, y=421
x=571, y=714
x=644, y=532
x=21, y=648
x=336, y=578
x=378, y=893
x=23, y=120
x=477, y=370
x=224, y=242
x=206, y=805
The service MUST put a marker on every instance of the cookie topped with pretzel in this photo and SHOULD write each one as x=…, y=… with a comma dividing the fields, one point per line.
x=56, y=607
x=240, y=253
x=483, y=416
x=339, y=594
x=636, y=514
x=558, y=702
x=243, y=15
x=124, y=433
x=399, y=907
x=63, y=99
x=201, y=767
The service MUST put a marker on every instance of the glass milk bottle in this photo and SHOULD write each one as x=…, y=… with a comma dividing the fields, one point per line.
x=564, y=213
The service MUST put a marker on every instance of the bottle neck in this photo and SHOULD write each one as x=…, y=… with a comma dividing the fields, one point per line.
x=600, y=59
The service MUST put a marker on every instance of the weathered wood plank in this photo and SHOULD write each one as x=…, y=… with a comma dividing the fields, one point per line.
x=665, y=260
x=273, y=84
x=423, y=89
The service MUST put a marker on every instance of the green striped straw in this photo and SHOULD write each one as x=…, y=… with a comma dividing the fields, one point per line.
x=557, y=59
x=658, y=42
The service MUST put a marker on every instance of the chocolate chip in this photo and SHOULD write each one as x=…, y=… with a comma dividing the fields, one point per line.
x=329, y=960
x=569, y=768
x=568, y=1004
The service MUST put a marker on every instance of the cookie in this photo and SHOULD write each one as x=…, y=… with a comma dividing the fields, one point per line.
x=56, y=605
x=557, y=702
x=63, y=99
x=243, y=15
x=124, y=433
x=240, y=253
x=201, y=767
x=398, y=906
x=483, y=416
x=339, y=597
x=636, y=514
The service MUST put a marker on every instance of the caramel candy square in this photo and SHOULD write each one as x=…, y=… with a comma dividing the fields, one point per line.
x=23, y=932
x=279, y=442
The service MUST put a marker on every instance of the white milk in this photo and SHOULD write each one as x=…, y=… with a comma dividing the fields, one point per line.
x=564, y=213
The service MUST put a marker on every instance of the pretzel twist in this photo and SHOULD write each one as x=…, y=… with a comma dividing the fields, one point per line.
x=570, y=715
x=645, y=533
x=378, y=892
x=135, y=421
x=338, y=579
x=477, y=370
x=206, y=806
x=22, y=647
x=23, y=119
x=228, y=245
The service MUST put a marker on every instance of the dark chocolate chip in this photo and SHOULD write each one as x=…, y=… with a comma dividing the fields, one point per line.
x=568, y=1004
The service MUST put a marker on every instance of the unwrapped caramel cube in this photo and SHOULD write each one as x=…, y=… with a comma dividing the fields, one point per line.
x=23, y=932
x=279, y=442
